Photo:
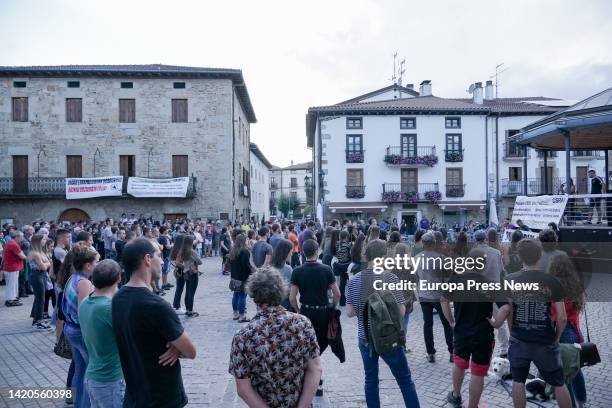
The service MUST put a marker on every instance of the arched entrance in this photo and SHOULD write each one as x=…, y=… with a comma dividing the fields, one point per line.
x=74, y=215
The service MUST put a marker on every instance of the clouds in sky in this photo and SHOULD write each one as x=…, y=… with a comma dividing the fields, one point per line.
x=300, y=54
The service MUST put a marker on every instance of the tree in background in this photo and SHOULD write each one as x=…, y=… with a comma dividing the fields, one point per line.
x=287, y=204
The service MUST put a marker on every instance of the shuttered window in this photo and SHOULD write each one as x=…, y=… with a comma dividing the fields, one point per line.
x=74, y=166
x=127, y=168
x=179, y=110
x=20, y=109
x=180, y=166
x=454, y=177
x=74, y=110
x=354, y=177
x=127, y=110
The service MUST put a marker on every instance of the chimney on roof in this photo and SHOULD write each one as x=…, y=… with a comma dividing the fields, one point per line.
x=425, y=88
x=477, y=93
x=410, y=86
x=489, y=95
x=292, y=162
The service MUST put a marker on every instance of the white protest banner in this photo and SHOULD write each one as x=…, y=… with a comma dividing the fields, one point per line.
x=147, y=187
x=93, y=187
x=538, y=212
x=507, y=236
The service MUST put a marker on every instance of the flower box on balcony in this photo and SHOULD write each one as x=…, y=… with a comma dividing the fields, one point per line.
x=433, y=196
x=427, y=160
x=454, y=156
x=392, y=196
x=355, y=193
x=354, y=157
x=457, y=191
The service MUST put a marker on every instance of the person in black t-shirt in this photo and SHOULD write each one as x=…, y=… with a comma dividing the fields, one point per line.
x=150, y=337
x=166, y=244
x=225, y=243
x=534, y=335
x=473, y=336
x=312, y=280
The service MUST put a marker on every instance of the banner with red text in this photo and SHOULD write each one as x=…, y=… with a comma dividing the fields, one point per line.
x=93, y=187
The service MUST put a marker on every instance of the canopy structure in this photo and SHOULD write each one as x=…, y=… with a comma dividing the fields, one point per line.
x=587, y=125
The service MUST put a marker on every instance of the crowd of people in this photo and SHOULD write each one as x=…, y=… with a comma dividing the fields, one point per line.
x=106, y=284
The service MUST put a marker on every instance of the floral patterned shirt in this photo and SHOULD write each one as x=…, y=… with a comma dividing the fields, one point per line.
x=272, y=350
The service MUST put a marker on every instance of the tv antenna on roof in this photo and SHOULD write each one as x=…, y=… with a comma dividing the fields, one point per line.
x=402, y=71
x=496, y=76
x=394, y=76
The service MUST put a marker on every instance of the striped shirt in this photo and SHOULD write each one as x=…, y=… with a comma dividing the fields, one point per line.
x=70, y=304
x=361, y=286
x=343, y=252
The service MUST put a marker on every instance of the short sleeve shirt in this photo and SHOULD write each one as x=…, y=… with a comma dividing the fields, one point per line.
x=361, y=286
x=260, y=250
x=12, y=262
x=272, y=350
x=313, y=279
x=532, y=320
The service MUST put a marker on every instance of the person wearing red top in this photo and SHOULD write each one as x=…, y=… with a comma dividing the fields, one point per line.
x=12, y=264
x=295, y=253
x=562, y=268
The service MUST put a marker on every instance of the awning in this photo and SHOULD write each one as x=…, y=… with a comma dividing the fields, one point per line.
x=341, y=209
x=462, y=206
x=589, y=124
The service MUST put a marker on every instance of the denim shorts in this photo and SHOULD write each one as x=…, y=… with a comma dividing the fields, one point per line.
x=546, y=358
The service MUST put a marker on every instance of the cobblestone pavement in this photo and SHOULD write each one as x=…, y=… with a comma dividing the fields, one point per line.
x=27, y=359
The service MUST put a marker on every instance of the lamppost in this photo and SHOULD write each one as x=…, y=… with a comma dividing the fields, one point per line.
x=42, y=150
x=96, y=153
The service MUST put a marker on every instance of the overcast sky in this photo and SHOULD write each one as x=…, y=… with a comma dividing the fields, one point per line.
x=309, y=53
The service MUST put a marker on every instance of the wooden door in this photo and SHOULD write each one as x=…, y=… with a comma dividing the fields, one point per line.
x=127, y=168
x=180, y=166
x=74, y=215
x=20, y=174
x=410, y=180
x=581, y=180
x=74, y=166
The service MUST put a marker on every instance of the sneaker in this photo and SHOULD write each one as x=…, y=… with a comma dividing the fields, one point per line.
x=236, y=316
x=431, y=358
x=167, y=286
x=454, y=401
x=13, y=303
x=46, y=316
x=243, y=320
x=192, y=314
x=41, y=325
x=180, y=311
x=319, y=392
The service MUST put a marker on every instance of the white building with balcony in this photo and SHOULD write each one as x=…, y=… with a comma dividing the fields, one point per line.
x=400, y=154
x=260, y=184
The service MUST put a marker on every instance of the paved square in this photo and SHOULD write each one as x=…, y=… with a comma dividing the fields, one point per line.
x=27, y=359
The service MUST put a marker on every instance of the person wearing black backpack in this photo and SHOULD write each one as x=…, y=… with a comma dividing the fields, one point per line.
x=372, y=306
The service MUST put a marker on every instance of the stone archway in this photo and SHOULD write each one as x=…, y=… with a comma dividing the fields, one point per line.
x=74, y=215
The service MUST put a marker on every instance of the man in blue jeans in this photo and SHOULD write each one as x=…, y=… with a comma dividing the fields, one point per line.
x=359, y=288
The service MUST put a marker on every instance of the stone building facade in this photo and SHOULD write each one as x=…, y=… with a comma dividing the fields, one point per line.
x=74, y=121
x=260, y=184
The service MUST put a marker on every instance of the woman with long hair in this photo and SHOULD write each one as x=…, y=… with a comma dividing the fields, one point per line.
x=186, y=272
x=394, y=239
x=281, y=258
x=78, y=287
x=562, y=268
x=356, y=264
x=49, y=280
x=240, y=270
x=460, y=248
x=512, y=262
x=40, y=263
x=326, y=247
x=62, y=275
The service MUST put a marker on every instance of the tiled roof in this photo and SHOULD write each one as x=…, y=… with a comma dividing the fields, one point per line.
x=379, y=91
x=416, y=104
x=517, y=105
x=299, y=166
x=157, y=70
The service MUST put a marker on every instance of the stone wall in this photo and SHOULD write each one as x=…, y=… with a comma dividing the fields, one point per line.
x=206, y=138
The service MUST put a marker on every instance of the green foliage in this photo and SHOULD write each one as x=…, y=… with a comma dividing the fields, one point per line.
x=287, y=204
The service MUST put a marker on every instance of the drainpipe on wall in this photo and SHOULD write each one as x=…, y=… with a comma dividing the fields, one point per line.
x=487, y=161
x=497, y=158
x=233, y=214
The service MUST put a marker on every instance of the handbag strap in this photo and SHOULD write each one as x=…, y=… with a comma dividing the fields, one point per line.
x=586, y=322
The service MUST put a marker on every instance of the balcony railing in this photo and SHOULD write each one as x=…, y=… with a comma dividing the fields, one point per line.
x=535, y=186
x=454, y=155
x=410, y=193
x=421, y=156
x=355, y=191
x=455, y=190
x=354, y=156
x=53, y=187
x=587, y=154
x=549, y=154
x=514, y=151
x=273, y=186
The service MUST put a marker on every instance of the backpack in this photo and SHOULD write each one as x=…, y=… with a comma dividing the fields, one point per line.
x=383, y=322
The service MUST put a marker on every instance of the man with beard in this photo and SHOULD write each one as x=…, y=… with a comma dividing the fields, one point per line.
x=150, y=337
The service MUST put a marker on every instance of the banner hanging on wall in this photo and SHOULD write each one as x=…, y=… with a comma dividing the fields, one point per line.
x=146, y=187
x=93, y=187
